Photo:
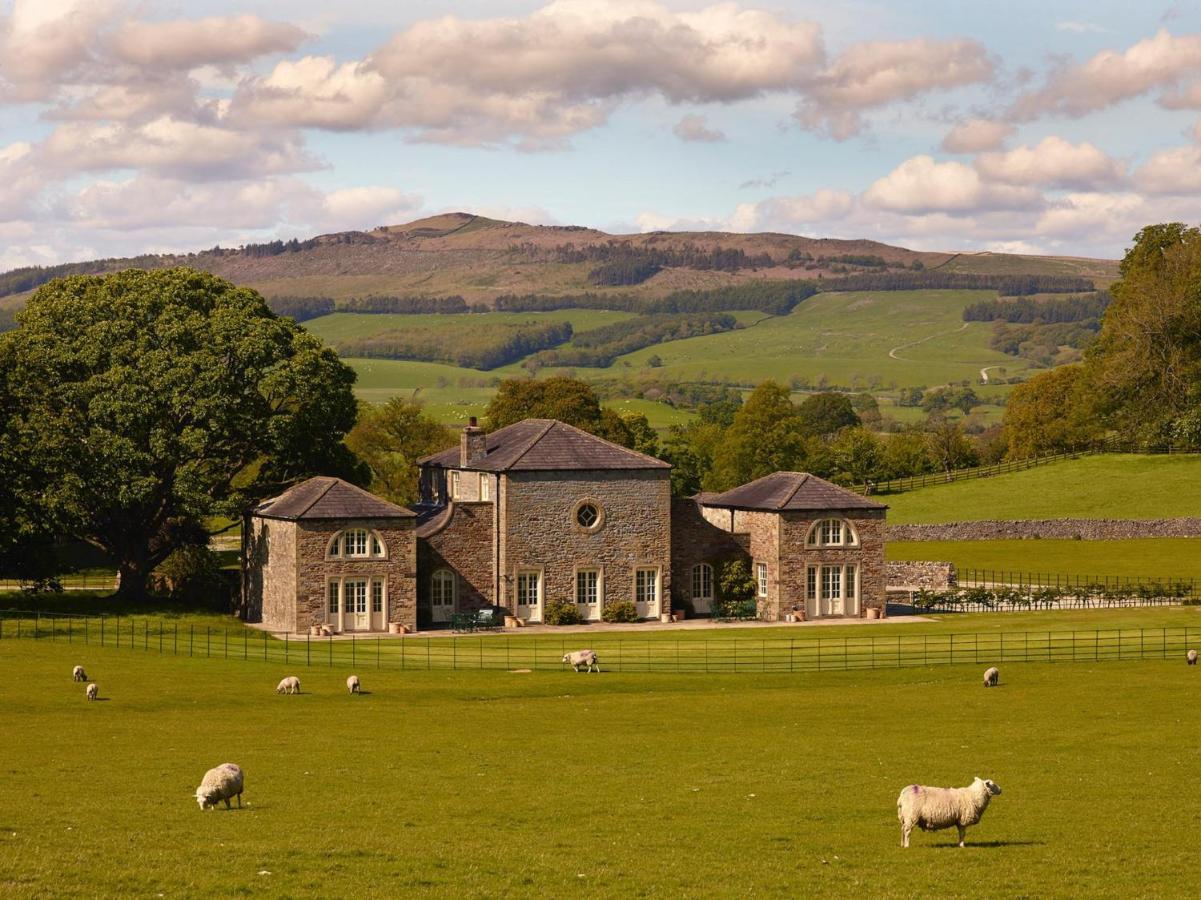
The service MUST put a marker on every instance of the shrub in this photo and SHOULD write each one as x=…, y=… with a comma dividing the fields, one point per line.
x=621, y=611
x=562, y=612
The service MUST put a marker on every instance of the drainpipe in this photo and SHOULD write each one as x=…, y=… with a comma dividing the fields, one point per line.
x=496, y=598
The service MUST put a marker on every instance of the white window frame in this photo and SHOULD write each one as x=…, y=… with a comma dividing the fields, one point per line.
x=454, y=484
x=442, y=583
x=702, y=573
x=590, y=606
x=821, y=534
x=761, y=581
x=373, y=545
x=379, y=596
x=485, y=487
x=640, y=584
x=526, y=575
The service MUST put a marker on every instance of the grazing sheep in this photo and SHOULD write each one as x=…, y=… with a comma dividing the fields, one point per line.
x=935, y=808
x=290, y=685
x=218, y=784
x=1192, y=657
x=352, y=684
x=78, y=674
x=586, y=658
x=92, y=691
x=991, y=676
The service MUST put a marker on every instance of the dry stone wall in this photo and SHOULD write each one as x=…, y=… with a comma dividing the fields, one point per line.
x=928, y=576
x=1082, y=529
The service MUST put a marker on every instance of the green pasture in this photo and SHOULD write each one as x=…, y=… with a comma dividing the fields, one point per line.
x=488, y=784
x=1138, y=557
x=339, y=327
x=847, y=337
x=1110, y=486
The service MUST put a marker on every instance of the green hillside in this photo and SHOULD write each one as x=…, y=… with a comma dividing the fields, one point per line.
x=1108, y=486
x=349, y=326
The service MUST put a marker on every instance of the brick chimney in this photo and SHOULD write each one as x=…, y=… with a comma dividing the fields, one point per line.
x=473, y=443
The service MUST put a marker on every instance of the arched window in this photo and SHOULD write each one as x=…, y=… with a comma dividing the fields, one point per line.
x=832, y=533
x=702, y=582
x=357, y=543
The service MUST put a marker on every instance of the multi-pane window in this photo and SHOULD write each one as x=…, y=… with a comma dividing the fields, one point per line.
x=357, y=542
x=811, y=583
x=761, y=578
x=485, y=487
x=377, y=547
x=832, y=533
x=454, y=485
x=354, y=542
x=849, y=582
x=702, y=582
x=646, y=586
x=528, y=588
x=587, y=587
x=442, y=588
x=377, y=596
x=356, y=596
x=333, y=598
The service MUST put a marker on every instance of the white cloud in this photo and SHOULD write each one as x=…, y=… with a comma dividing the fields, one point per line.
x=188, y=43
x=921, y=185
x=19, y=181
x=1111, y=77
x=976, y=135
x=313, y=92
x=1053, y=162
x=696, y=128
x=877, y=73
x=1175, y=171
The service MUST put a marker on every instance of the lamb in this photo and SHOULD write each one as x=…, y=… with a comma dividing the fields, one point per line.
x=220, y=783
x=290, y=685
x=78, y=674
x=586, y=658
x=1192, y=657
x=991, y=676
x=934, y=808
x=352, y=684
x=92, y=691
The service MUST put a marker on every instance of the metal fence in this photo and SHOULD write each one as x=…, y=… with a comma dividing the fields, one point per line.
x=76, y=581
x=503, y=652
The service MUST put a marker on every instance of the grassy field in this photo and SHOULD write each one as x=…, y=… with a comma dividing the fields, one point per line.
x=1111, y=486
x=479, y=784
x=350, y=326
x=1152, y=557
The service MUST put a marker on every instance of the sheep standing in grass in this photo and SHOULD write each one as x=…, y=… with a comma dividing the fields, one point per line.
x=352, y=684
x=1192, y=657
x=586, y=658
x=935, y=808
x=290, y=685
x=219, y=784
x=991, y=676
x=91, y=691
x=78, y=674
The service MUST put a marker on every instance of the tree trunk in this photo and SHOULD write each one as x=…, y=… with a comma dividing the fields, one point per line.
x=132, y=576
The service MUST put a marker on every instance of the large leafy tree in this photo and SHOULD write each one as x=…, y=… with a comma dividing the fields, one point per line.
x=1144, y=368
x=826, y=414
x=390, y=439
x=568, y=400
x=1049, y=413
x=768, y=435
x=149, y=403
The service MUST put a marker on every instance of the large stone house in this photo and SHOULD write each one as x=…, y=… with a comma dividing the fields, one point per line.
x=328, y=553
x=540, y=511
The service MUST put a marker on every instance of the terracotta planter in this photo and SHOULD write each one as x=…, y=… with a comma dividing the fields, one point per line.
x=873, y=612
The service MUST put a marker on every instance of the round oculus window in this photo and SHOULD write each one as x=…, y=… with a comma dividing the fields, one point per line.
x=587, y=515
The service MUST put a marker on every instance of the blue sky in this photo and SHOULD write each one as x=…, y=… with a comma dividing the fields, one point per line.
x=1037, y=127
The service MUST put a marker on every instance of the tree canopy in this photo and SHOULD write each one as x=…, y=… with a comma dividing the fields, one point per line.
x=768, y=435
x=390, y=439
x=148, y=403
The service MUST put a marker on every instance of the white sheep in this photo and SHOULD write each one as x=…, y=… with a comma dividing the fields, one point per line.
x=1192, y=657
x=586, y=658
x=352, y=684
x=92, y=691
x=991, y=676
x=935, y=808
x=78, y=674
x=290, y=685
x=219, y=784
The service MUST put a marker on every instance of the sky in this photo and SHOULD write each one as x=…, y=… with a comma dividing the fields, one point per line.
x=1034, y=127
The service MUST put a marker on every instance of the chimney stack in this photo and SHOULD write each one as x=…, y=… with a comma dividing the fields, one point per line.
x=473, y=443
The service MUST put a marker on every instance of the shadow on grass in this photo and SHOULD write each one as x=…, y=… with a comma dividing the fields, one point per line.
x=988, y=845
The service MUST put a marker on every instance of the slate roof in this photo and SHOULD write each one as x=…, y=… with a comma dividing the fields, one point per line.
x=790, y=491
x=534, y=445
x=329, y=498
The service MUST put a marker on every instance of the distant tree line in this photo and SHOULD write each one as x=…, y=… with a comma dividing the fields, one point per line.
x=301, y=309
x=476, y=349
x=1024, y=310
x=415, y=305
x=275, y=248
x=598, y=347
x=624, y=271
x=27, y=278
x=775, y=297
x=929, y=280
x=688, y=256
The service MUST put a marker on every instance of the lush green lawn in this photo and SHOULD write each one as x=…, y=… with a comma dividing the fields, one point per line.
x=1154, y=557
x=545, y=784
x=1108, y=486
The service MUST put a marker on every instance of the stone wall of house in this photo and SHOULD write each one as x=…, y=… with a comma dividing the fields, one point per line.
x=539, y=530
x=269, y=574
x=399, y=568
x=696, y=539
x=465, y=546
x=920, y=575
x=796, y=556
x=1083, y=529
x=763, y=531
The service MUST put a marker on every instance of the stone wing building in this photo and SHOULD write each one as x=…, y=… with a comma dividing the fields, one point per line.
x=541, y=511
x=328, y=553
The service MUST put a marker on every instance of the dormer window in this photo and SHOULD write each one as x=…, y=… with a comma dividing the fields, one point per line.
x=357, y=543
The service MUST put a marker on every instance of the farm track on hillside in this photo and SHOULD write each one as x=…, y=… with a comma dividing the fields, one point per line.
x=893, y=352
